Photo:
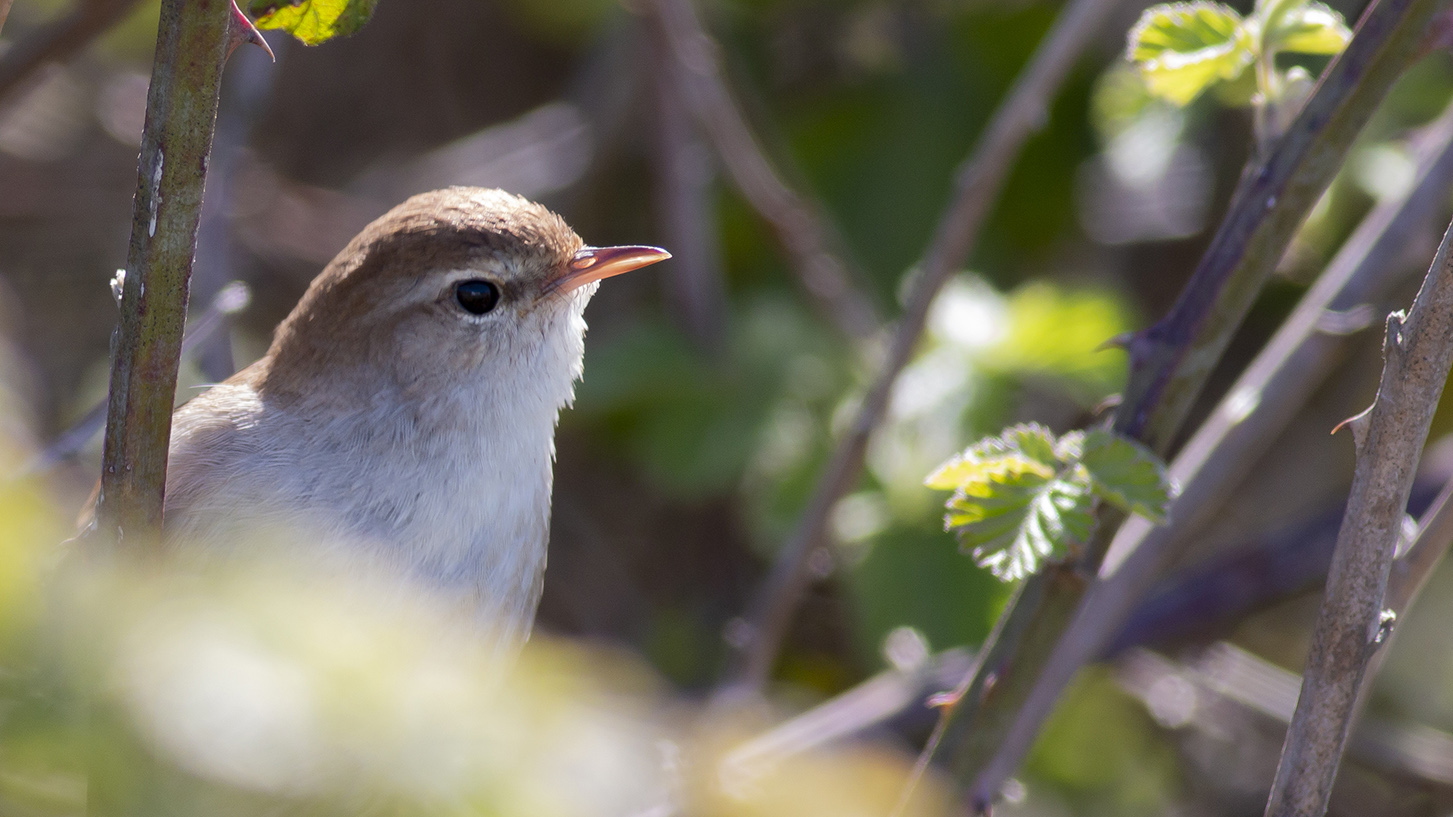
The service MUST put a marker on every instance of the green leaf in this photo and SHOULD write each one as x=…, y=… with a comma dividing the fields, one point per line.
x=1184, y=48
x=1015, y=502
x=1307, y=28
x=1031, y=445
x=1017, y=518
x=313, y=21
x=1126, y=474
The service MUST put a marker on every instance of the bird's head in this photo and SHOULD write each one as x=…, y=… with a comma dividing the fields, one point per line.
x=447, y=288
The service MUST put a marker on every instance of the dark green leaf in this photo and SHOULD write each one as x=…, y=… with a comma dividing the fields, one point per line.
x=313, y=21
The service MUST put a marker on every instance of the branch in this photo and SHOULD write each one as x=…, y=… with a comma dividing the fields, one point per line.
x=1171, y=361
x=977, y=187
x=1389, y=439
x=60, y=40
x=1281, y=378
x=193, y=41
x=799, y=222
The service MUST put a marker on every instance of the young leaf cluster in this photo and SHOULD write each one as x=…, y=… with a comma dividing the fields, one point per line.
x=1182, y=49
x=1024, y=497
x=312, y=21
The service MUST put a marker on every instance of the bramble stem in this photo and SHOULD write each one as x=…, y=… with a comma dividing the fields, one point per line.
x=181, y=111
x=1417, y=355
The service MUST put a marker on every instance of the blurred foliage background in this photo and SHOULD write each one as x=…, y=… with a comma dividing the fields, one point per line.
x=714, y=387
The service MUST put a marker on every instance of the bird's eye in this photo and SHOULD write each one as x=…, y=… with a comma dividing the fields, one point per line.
x=476, y=297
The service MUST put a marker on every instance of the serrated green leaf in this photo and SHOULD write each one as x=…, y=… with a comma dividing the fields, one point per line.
x=1183, y=48
x=1017, y=519
x=1126, y=474
x=1308, y=28
x=1031, y=443
x=313, y=21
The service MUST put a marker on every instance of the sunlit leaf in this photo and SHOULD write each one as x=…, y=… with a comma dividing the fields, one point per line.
x=1016, y=501
x=1308, y=28
x=1126, y=474
x=1030, y=447
x=1017, y=519
x=313, y=21
x=1184, y=48
x=1023, y=497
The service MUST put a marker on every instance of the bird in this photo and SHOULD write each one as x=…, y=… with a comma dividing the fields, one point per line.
x=403, y=418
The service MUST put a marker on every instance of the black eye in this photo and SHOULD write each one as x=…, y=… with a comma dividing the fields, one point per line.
x=476, y=297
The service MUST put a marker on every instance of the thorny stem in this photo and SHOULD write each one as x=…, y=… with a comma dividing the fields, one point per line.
x=977, y=187
x=1389, y=439
x=192, y=45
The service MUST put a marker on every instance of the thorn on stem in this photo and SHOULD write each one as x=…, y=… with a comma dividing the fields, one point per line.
x=241, y=30
x=944, y=700
x=1386, y=621
x=1393, y=339
x=1120, y=341
x=1108, y=404
x=1357, y=424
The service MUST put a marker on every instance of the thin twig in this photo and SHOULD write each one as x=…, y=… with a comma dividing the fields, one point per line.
x=60, y=40
x=1389, y=436
x=977, y=187
x=800, y=223
x=1263, y=400
x=194, y=39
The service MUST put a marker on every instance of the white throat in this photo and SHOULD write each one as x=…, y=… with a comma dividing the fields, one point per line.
x=451, y=490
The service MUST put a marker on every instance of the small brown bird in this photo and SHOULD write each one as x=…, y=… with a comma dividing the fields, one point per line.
x=404, y=417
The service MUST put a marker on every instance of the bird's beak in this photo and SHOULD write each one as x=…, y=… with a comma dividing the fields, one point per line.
x=595, y=263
